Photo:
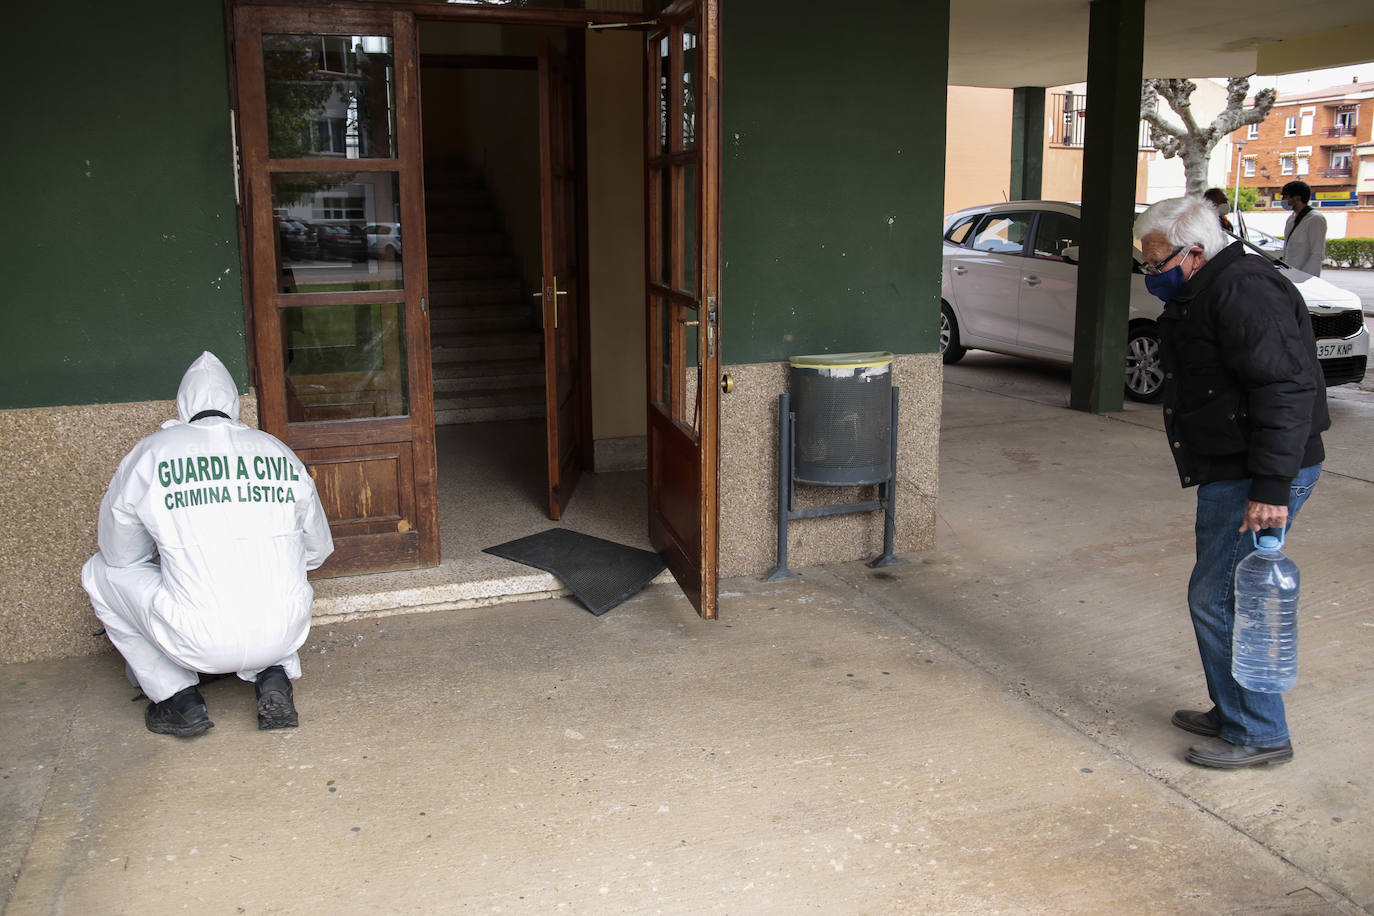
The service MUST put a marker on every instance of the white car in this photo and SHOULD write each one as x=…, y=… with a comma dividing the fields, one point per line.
x=1010, y=285
x=383, y=240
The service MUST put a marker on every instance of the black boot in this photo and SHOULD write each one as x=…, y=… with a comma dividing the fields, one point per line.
x=276, y=706
x=182, y=714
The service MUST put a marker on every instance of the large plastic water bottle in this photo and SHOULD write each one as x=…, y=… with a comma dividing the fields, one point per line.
x=1264, y=640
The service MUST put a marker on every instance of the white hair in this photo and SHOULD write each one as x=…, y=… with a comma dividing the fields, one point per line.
x=1184, y=221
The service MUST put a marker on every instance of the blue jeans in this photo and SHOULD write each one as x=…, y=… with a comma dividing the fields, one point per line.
x=1247, y=717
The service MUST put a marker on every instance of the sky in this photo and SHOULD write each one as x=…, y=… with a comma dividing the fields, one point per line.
x=1313, y=79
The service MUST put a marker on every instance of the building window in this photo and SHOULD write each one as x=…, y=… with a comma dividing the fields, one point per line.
x=1249, y=166
x=1253, y=132
x=1307, y=116
x=1340, y=159
x=1286, y=165
x=1304, y=153
x=1290, y=126
x=330, y=135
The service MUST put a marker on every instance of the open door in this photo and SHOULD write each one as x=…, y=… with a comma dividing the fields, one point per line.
x=562, y=309
x=682, y=188
x=329, y=120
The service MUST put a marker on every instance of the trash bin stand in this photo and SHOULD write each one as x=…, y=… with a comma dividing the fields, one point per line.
x=787, y=493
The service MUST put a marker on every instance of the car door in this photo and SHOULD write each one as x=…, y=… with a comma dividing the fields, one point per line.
x=985, y=278
x=1049, y=287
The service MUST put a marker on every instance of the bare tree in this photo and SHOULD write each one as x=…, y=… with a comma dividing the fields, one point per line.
x=1190, y=142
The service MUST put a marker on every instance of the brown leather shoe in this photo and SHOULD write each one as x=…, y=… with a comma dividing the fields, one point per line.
x=1207, y=724
x=1215, y=752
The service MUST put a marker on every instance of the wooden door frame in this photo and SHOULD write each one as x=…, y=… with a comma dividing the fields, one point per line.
x=368, y=546
x=694, y=565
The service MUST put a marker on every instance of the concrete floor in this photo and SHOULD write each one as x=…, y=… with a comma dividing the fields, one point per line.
x=982, y=729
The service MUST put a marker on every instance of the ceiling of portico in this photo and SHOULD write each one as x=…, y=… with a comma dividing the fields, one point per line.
x=1010, y=43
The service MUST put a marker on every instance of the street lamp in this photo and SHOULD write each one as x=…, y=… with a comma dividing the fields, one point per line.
x=1235, y=201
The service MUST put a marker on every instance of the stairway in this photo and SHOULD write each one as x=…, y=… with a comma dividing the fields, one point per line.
x=487, y=352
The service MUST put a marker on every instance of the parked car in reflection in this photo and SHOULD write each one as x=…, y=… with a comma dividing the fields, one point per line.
x=341, y=242
x=299, y=240
x=383, y=240
x=1010, y=283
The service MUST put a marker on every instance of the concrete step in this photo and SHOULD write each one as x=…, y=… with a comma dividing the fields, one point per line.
x=451, y=348
x=485, y=414
x=443, y=220
x=446, y=371
x=441, y=194
x=467, y=319
x=521, y=374
x=463, y=244
x=471, y=267
x=502, y=291
x=499, y=396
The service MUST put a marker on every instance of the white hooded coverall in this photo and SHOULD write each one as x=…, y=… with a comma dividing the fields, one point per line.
x=206, y=533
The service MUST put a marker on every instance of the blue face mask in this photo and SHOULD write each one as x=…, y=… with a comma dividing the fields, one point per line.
x=1166, y=286
x=1287, y=204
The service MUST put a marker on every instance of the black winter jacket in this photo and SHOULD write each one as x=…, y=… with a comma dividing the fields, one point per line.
x=1244, y=395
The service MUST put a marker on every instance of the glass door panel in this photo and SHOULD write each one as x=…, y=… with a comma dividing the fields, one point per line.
x=329, y=121
x=329, y=96
x=337, y=231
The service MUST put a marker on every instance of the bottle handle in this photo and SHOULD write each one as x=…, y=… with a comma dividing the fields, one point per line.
x=1281, y=532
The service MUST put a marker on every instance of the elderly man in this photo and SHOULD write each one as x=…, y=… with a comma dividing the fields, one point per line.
x=206, y=533
x=1244, y=409
x=1304, y=234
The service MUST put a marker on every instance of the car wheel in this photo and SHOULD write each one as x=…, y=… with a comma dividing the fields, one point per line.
x=1144, y=371
x=949, y=336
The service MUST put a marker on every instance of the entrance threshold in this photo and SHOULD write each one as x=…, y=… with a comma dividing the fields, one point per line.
x=492, y=490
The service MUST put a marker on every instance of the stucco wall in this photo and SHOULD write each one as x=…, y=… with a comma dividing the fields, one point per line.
x=977, y=146
x=54, y=468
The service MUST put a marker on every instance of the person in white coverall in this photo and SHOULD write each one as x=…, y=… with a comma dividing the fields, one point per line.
x=206, y=533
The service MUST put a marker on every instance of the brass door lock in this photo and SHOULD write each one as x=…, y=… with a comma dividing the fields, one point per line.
x=727, y=383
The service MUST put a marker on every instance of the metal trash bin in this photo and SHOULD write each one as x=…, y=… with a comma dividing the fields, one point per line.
x=842, y=403
x=841, y=431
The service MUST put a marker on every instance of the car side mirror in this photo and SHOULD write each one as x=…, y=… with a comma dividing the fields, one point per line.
x=1070, y=254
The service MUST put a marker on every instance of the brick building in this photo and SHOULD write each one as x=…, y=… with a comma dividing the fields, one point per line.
x=1320, y=137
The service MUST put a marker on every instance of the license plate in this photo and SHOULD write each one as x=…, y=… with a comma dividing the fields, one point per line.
x=1334, y=350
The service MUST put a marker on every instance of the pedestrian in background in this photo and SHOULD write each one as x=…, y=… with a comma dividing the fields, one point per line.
x=1304, y=234
x=1217, y=198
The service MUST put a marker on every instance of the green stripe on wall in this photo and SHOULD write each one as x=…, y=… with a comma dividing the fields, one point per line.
x=123, y=246
x=833, y=137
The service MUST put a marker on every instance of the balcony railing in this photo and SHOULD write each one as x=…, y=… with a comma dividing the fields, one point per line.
x=1340, y=131
x=1069, y=117
x=1344, y=172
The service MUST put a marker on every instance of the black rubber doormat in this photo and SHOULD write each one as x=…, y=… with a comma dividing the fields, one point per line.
x=600, y=573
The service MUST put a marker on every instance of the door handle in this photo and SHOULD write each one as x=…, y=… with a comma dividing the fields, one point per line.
x=727, y=383
x=554, y=292
x=1032, y=281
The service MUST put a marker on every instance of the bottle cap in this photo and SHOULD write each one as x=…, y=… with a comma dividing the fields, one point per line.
x=1269, y=542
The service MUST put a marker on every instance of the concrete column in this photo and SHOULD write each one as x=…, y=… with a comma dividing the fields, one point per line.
x=1116, y=30
x=1027, y=142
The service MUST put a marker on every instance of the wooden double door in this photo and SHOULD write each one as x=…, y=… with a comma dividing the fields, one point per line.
x=333, y=202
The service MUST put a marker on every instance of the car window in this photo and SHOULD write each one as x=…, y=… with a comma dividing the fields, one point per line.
x=1002, y=233
x=1054, y=233
x=958, y=233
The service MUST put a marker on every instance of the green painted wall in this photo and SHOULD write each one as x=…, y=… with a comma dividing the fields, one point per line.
x=833, y=139
x=123, y=254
